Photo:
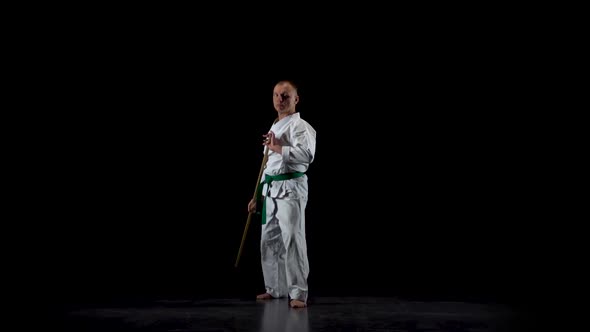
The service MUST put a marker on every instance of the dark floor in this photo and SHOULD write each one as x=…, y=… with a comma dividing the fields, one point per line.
x=322, y=314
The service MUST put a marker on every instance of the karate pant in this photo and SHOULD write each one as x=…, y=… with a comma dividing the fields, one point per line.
x=283, y=248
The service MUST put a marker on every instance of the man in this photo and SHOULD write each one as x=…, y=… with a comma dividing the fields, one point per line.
x=291, y=147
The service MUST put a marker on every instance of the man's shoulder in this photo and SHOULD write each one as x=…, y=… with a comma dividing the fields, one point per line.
x=302, y=127
x=301, y=124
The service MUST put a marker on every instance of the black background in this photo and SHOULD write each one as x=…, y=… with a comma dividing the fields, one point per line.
x=150, y=147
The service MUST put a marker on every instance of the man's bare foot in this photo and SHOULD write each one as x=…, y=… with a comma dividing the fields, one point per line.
x=264, y=296
x=297, y=304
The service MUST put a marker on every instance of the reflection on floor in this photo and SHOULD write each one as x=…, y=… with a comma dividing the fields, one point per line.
x=322, y=314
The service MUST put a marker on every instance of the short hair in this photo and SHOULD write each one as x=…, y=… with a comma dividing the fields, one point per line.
x=291, y=83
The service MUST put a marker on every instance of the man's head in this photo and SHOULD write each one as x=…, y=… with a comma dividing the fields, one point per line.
x=284, y=97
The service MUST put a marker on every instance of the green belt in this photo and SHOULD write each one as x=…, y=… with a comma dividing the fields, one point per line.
x=268, y=179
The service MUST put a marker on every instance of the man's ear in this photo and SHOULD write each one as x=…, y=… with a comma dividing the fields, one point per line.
x=296, y=99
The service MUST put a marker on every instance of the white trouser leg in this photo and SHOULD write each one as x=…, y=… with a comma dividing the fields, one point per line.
x=272, y=253
x=284, y=250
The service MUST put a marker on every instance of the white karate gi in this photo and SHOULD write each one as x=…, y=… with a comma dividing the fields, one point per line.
x=283, y=245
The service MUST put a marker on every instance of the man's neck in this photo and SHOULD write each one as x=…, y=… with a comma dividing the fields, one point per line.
x=284, y=115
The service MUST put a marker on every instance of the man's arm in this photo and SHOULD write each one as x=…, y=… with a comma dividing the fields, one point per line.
x=302, y=149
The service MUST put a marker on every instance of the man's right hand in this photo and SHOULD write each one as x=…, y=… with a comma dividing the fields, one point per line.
x=252, y=206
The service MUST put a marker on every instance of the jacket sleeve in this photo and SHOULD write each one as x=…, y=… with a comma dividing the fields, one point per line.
x=302, y=148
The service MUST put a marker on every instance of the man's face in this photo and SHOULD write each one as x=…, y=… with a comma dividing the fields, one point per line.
x=284, y=98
